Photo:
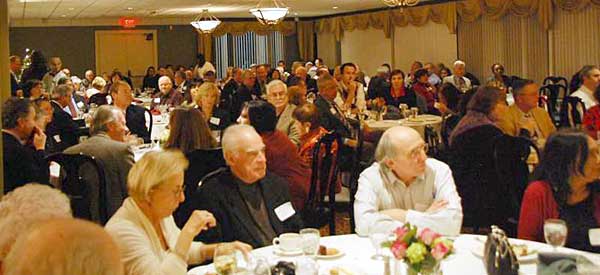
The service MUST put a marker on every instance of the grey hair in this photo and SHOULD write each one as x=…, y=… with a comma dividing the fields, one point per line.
x=24, y=207
x=275, y=83
x=459, y=62
x=386, y=149
x=103, y=116
x=61, y=91
x=230, y=140
x=164, y=77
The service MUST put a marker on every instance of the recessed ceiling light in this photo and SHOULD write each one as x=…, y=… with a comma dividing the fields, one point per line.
x=71, y=9
x=64, y=15
x=335, y=8
x=129, y=8
x=295, y=13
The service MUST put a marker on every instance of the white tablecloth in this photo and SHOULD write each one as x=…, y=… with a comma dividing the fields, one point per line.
x=418, y=124
x=159, y=126
x=358, y=251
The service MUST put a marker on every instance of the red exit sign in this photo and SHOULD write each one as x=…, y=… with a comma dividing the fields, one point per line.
x=128, y=22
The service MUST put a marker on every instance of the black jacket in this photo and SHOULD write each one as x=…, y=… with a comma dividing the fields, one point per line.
x=311, y=84
x=219, y=120
x=22, y=164
x=241, y=95
x=227, y=94
x=220, y=195
x=332, y=120
x=136, y=122
x=62, y=128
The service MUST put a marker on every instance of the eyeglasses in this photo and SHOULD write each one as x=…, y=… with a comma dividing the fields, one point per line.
x=415, y=153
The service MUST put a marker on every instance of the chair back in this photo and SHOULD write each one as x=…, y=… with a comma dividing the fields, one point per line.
x=433, y=141
x=317, y=212
x=358, y=167
x=550, y=96
x=512, y=171
x=572, y=112
x=82, y=180
x=201, y=163
x=555, y=80
x=98, y=99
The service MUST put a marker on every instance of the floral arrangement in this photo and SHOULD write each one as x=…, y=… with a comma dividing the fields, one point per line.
x=421, y=250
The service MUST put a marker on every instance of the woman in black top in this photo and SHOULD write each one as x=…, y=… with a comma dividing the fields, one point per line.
x=394, y=93
x=150, y=79
x=37, y=69
x=206, y=97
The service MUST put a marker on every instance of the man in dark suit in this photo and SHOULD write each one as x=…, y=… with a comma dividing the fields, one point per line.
x=135, y=116
x=15, y=68
x=107, y=145
x=23, y=145
x=251, y=205
x=244, y=93
x=62, y=128
x=230, y=87
x=301, y=74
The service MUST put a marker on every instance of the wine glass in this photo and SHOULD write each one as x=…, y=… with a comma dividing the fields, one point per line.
x=377, y=240
x=555, y=232
x=310, y=241
x=225, y=260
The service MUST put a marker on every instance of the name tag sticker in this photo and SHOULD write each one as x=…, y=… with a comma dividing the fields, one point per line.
x=285, y=211
x=109, y=99
x=80, y=104
x=595, y=236
x=57, y=138
x=215, y=120
x=332, y=110
x=157, y=100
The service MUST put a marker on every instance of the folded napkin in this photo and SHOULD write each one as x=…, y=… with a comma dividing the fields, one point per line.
x=554, y=263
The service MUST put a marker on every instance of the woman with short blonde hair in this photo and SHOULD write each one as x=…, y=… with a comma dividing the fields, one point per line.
x=144, y=229
x=207, y=99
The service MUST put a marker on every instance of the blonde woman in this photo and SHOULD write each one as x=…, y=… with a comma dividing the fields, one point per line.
x=144, y=229
x=206, y=98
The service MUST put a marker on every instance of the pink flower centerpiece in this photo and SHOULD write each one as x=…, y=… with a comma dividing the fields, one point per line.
x=422, y=250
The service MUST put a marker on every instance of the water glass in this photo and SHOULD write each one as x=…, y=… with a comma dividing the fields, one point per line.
x=224, y=259
x=306, y=266
x=377, y=240
x=555, y=232
x=310, y=241
x=414, y=112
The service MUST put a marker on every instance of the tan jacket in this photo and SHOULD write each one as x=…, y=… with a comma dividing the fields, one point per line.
x=510, y=122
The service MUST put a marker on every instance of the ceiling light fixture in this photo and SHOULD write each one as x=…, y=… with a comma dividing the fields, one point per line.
x=271, y=15
x=401, y=3
x=205, y=22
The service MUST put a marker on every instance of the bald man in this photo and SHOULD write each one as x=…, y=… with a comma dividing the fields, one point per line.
x=167, y=95
x=251, y=204
x=64, y=246
x=404, y=186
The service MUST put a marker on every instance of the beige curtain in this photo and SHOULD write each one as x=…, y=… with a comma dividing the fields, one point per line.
x=239, y=28
x=306, y=39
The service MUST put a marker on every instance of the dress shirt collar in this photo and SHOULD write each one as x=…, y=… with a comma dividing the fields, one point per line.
x=12, y=133
x=389, y=177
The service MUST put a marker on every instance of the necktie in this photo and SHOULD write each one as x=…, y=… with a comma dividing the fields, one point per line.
x=72, y=109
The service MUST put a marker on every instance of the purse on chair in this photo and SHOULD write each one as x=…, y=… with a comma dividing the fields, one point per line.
x=498, y=256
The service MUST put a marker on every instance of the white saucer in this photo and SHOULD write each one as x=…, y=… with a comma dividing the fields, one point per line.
x=280, y=252
x=329, y=257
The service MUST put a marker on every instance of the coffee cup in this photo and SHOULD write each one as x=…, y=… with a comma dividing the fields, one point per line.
x=288, y=242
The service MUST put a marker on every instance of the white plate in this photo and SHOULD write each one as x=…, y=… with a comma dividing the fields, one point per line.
x=329, y=257
x=280, y=252
x=477, y=250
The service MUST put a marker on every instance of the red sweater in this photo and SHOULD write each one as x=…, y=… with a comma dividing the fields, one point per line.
x=539, y=205
x=284, y=161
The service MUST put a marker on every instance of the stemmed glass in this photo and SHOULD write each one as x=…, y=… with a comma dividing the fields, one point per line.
x=377, y=240
x=555, y=232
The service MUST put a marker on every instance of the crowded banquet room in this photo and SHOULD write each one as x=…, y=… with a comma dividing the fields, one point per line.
x=287, y=137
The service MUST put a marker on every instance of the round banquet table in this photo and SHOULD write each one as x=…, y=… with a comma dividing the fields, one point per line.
x=159, y=126
x=418, y=124
x=358, y=251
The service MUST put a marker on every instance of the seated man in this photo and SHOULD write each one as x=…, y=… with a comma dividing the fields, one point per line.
x=167, y=95
x=404, y=186
x=135, y=116
x=64, y=246
x=107, y=145
x=526, y=111
x=590, y=76
x=458, y=79
x=278, y=96
x=23, y=145
x=62, y=128
x=250, y=204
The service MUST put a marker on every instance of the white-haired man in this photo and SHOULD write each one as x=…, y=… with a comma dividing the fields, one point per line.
x=86, y=83
x=65, y=246
x=107, y=145
x=458, y=78
x=27, y=206
x=250, y=204
x=404, y=186
x=277, y=95
x=167, y=95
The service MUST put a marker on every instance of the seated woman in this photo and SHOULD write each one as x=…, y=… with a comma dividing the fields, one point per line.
x=274, y=74
x=206, y=97
x=296, y=95
x=591, y=119
x=189, y=131
x=282, y=155
x=394, y=93
x=565, y=187
x=307, y=121
x=448, y=105
x=143, y=228
x=32, y=89
x=422, y=87
x=472, y=162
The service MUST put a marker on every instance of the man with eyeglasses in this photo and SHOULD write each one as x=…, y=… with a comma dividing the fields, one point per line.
x=277, y=95
x=405, y=186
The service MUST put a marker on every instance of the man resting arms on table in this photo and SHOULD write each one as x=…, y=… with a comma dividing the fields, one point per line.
x=404, y=186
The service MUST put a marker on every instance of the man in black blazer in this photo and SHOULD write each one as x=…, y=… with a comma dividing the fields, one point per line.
x=23, y=144
x=246, y=92
x=250, y=204
x=15, y=68
x=135, y=116
x=62, y=128
x=230, y=87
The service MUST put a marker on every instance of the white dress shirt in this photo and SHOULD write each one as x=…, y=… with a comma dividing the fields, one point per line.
x=359, y=99
x=454, y=80
x=379, y=189
x=587, y=96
